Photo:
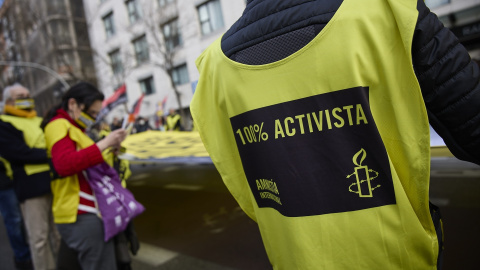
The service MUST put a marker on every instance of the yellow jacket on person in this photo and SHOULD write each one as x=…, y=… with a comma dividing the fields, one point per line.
x=173, y=122
x=324, y=156
x=122, y=166
x=23, y=147
x=33, y=137
x=65, y=190
x=103, y=133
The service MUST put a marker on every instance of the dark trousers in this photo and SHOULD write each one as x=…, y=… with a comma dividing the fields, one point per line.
x=12, y=217
x=85, y=237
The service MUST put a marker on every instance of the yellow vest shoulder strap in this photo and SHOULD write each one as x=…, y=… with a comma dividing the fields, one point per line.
x=59, y=128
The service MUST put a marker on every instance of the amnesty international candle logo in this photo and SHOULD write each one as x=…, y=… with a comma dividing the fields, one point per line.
x=316, y=155
x=364, y=176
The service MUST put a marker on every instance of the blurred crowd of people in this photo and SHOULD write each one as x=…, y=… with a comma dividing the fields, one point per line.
x=47, y=165
x=171, y=122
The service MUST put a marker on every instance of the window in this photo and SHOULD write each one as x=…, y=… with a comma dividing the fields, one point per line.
x=147, y=86
x=66, y=60
x=171, y=35
x=163, y=3
x=35, y=47
x=141, y=49
x=133, y=11
x=76, y=7
x=436, y=3
x=116, y=62
x=86, y=59
x=62, y=32
x=82, y=33
x=210, y=15
x=180, y=75
x=56, y=7
x=109, y=26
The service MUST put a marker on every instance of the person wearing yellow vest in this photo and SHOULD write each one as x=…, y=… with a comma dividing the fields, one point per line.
x=72, y=152
x=173, y=121
x=316, y=114
x=121, y=166
x=22, y=144
x=104, y=130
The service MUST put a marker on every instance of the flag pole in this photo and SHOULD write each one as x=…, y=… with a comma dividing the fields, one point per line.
x=125, y=118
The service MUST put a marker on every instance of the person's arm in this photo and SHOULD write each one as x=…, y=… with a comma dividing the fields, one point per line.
x=68, y=161
x=450, y=83
x=14, y=149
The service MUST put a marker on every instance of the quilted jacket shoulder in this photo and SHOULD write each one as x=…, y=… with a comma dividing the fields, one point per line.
x=260, y=22
x=450, y=83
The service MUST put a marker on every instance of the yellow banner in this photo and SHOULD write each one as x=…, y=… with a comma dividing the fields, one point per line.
x=160, y=146
x=186, y=147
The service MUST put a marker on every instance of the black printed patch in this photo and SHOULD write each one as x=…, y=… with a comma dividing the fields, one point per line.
x=317, y=155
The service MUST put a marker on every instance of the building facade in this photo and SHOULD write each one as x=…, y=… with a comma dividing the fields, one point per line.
x=463, y=19
x=45, y=46
x=151, y=47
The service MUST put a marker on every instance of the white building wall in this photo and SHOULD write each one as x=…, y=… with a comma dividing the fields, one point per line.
x=193, y=45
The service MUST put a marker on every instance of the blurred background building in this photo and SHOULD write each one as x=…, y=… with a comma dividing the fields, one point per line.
x=463, y=18
x=148, y=45
x=42, y=44
x=151, y=47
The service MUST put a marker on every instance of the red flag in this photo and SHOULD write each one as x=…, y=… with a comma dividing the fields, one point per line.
x=136, y=106
x=164, y=102
x=135, y=109
x=118, y=97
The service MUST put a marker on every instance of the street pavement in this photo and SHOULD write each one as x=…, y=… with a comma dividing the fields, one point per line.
x=6, y=254
x=191, y=221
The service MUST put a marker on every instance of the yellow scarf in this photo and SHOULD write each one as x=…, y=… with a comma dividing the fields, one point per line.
x=9, y=109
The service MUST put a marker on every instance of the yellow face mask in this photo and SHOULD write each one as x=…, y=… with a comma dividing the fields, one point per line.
x=85, y=120
x=25, y=104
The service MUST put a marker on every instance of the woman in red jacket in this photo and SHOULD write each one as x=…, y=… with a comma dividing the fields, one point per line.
x=72, y=152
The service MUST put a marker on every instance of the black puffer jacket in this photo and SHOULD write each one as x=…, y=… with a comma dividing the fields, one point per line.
x=14, y=149
x=449, y=79
x=450, y=83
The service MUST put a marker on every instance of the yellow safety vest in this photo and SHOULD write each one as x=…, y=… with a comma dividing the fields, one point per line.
x=328, y=149
x=172, y=120
x=124, y=171
x=103, y=133
x=33, y=136
x=65, y=190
